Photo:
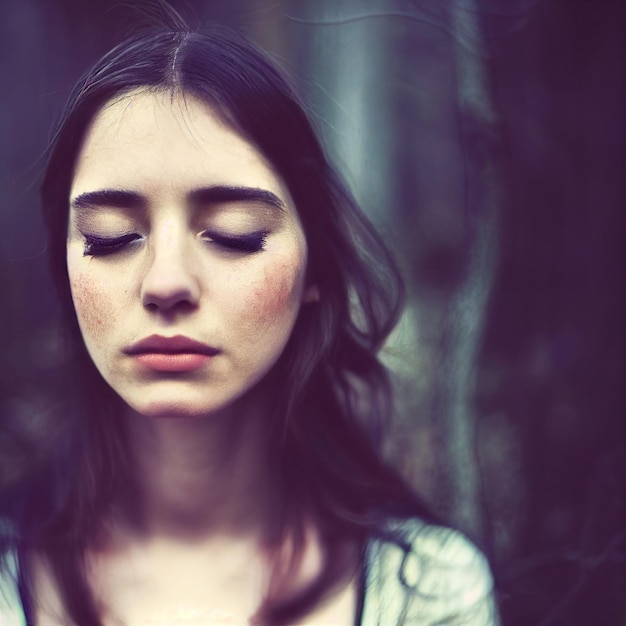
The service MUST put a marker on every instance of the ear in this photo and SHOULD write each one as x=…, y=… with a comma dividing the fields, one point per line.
x=311, y=294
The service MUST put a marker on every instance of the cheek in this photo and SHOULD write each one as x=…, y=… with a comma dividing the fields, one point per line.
x=274, y=297
x=279, y=291
x=94, y=308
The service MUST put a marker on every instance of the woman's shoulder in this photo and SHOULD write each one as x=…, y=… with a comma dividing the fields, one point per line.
x=419, y=574
x=11, y=613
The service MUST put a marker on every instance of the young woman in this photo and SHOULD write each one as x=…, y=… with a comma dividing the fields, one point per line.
x=215, y=457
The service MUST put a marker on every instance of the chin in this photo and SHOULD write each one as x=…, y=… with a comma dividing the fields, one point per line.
x=172, y=401
x=173, y=410
x=177, y=404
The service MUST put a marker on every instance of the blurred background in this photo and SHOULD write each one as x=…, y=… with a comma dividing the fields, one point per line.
x=486, y=139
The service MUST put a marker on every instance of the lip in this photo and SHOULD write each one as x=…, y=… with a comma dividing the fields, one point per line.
x=179, y=344
x=171, y=354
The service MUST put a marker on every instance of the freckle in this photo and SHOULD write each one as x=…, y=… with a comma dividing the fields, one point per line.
x=93, y=307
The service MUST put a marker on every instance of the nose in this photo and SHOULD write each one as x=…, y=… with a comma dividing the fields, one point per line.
x=170, y=282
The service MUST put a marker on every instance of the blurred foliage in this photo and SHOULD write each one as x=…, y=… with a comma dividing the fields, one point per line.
x=486, y=139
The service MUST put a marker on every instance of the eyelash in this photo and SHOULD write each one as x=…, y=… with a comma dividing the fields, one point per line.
x=102, y=246
x=248, y=244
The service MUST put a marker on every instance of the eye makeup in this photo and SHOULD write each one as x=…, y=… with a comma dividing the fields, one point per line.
x=247, y=243
x=103, y=246
x=235, y=221
x=107, y=223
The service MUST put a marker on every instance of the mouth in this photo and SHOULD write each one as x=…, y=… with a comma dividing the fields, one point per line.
x=170, y=345
x=171, y=354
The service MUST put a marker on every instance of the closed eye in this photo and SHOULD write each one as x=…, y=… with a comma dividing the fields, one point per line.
x=102, y=246
x=248, y=243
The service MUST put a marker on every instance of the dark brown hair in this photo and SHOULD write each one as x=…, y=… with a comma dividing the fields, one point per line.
x=332, y=393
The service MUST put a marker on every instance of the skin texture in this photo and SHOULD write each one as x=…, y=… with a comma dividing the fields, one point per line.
x=171, y=280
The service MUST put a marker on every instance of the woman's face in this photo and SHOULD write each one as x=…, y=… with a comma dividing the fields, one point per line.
x=185, y=255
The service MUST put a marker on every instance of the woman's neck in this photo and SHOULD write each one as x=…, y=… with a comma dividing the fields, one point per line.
x=201, y=477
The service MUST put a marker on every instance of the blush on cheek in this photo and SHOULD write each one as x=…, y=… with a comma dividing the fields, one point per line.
x=274, y=297
x=93, y=308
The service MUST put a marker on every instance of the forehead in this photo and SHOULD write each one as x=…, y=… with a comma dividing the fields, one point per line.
x=155, y=140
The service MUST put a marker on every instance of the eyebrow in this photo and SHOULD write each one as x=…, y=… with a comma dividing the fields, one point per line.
x=222, y=193
x=117, y=198
x=216, y=194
